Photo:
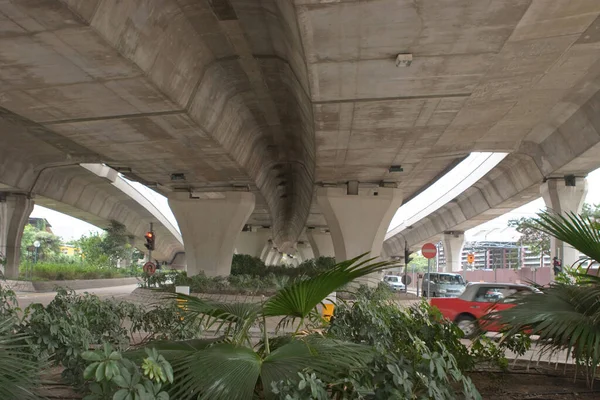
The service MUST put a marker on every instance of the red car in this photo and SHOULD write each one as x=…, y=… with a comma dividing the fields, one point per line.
x=477, y=300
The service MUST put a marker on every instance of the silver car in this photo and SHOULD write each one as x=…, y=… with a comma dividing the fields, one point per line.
x=443, y=284
x=394, y=281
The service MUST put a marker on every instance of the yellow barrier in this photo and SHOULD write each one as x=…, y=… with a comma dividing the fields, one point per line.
x=328, y=311
x=181, y=303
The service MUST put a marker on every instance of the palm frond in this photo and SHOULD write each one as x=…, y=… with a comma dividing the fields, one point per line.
x=221, y=372
x=234, y=319
x=19, y=373
x=566, y=317
x=329, y=358
x=576, y=230
x=298, y=299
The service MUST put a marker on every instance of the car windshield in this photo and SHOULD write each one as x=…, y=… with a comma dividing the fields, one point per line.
x=447, y=279
x=391, y=278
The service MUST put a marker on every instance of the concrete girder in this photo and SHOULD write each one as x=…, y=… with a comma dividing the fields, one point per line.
x=253, y=100
x=571, y=148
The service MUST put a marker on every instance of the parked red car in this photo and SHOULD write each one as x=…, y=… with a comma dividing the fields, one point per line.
x=477, y=300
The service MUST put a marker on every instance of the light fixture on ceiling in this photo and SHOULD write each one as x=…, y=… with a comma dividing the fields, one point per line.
x=396, y=168
x=404, y=60
x=178, y=177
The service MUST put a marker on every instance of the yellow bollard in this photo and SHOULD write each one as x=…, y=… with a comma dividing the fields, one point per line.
x=181, y=303
x=328, y=311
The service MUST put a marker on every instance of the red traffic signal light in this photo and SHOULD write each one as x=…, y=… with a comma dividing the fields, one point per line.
x=150, y=238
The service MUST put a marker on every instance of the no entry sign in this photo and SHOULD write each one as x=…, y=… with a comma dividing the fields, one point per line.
x=429, y=250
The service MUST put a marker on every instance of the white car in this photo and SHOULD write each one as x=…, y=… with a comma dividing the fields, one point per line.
x=394, y=281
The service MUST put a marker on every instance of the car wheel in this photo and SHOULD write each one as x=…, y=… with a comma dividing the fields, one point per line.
x=468, y=325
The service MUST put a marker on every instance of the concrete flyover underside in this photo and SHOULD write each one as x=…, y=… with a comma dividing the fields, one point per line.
x=276, y=97
x=54, y=179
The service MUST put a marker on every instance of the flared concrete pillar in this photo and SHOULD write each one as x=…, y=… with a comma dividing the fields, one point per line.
x=266, y=250
x=305, y=251
x=453, y=243
x=320, y=243
x=564, y=195
x=358, y=219
x=14, y=215
x=274, y=257
x=210, y=224
x=252, y=242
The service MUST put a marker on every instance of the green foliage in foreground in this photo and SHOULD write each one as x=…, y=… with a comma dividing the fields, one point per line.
x=72, y=324
x=117, y=378
x=566, y=315
x=48, y=271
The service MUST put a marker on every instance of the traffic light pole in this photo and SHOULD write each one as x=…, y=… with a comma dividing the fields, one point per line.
x=150, y=250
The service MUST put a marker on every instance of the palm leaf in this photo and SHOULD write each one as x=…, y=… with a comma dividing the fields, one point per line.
x=18, y=372
x=225, y=371
x=221, y=372
x=576, y=230
x=300, y=298
x=566, y=317
x=232, y=319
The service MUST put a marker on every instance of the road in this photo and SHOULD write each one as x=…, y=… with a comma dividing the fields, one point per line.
x=26, y=298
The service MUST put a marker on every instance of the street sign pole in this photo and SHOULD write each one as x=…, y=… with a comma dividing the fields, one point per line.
x=429, y=251
x=428, y=277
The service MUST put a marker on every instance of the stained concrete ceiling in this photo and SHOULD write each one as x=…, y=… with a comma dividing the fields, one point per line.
x=281, y=95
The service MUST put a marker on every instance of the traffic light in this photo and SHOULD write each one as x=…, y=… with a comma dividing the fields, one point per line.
x=150, y=238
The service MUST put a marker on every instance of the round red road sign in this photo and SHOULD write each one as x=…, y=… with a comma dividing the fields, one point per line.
x=428, y=250
x=149, y=268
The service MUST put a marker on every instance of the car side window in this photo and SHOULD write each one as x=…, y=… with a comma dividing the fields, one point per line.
x=490, y=294
x=518, y=290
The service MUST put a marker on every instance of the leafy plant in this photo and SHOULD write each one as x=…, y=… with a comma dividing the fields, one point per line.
x=308, y=387
x=117, y=378
x=232, y=368
x=419, y=354
x=566, y=315
x=19, y=373
x=72, y=324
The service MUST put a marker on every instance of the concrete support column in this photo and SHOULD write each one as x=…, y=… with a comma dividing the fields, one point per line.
x=266, y=250
x=305, y=251
x=274, y=257
x=252, y=242
x=564, y=195
x=210, y=224
x=453, y=243
x=14, y=215
x=358, y=219
x=320, y=243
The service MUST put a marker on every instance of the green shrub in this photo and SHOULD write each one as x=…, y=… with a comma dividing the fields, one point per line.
x=114, y=377
x=50, y=271
x=73, y=323
x=419, y=353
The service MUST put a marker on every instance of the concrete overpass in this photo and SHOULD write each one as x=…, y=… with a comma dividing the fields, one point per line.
x=91, y=192
x=295, y=114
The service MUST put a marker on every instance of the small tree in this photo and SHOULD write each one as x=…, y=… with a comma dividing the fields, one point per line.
x=532, y=237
